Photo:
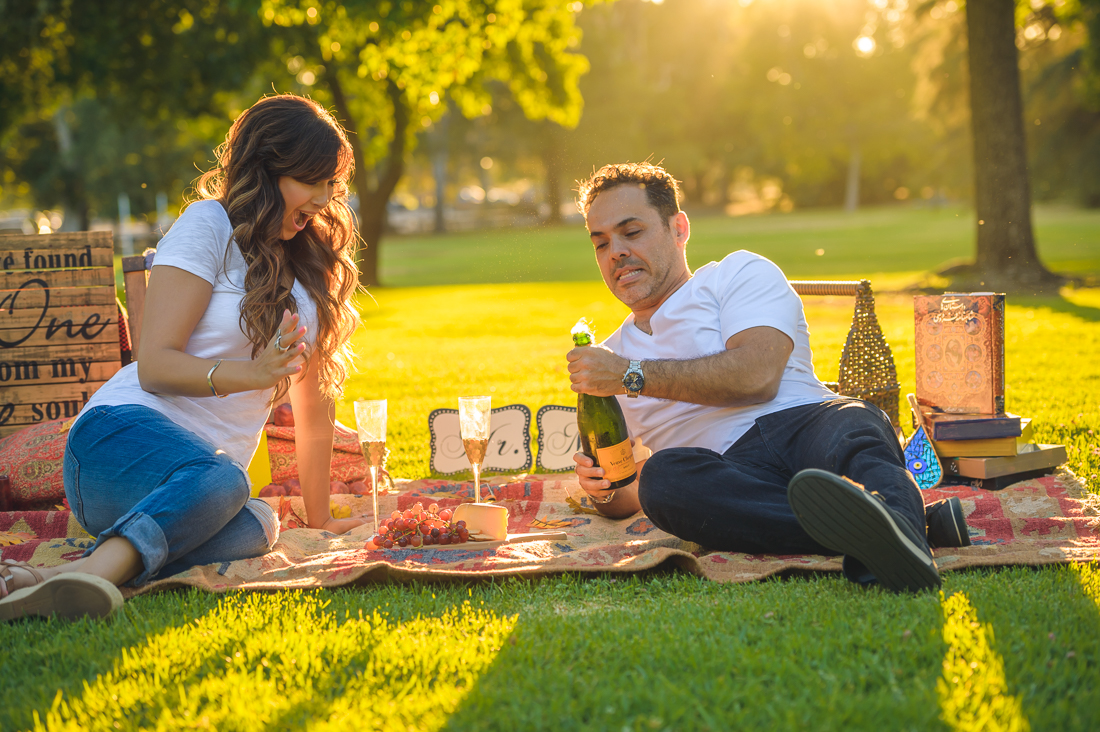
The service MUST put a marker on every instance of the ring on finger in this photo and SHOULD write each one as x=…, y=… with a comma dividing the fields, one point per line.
x=279, y=343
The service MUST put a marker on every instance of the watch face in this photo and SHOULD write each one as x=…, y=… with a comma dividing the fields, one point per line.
x=633, y=381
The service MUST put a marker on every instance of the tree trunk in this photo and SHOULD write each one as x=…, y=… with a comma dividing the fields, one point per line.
x=1006, y=255
x=551, y=161
x=486, y=180
x=74, y=193
x=439, y=171
x=851, y=191
x=689, y=187
x=372, y=201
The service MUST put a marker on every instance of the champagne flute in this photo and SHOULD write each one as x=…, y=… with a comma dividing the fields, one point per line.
x=370, y=421
x=473, y=420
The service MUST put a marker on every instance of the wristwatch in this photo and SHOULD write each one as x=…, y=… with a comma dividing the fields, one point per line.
x=634, y=379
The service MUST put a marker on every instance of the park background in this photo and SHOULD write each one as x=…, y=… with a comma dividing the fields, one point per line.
x=467, y=115
x=836, y=138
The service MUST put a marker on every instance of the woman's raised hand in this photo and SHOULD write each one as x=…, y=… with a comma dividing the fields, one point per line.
x=275, y=362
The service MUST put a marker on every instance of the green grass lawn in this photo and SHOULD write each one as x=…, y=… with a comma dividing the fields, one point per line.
x=892, y=246
x=998, y=650
x=1011, y=649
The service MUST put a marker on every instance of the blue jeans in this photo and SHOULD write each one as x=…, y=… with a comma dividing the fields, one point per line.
x=737, y=501
x=130, y=471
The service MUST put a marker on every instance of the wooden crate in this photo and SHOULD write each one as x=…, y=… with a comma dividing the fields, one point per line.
x=58, y=324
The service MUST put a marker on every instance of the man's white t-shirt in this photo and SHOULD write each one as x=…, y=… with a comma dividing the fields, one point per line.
x=197, y=243
x=721, y=299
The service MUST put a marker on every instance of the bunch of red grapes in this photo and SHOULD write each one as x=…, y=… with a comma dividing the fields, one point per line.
x=419, y=527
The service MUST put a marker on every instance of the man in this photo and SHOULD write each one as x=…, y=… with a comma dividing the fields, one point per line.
x=713, y=370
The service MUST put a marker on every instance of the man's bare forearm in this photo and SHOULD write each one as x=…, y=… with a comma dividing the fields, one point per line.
x=727, y=379
x=747, y=372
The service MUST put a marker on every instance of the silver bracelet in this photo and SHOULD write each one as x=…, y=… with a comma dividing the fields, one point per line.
x=601, y=501
x=210, y=380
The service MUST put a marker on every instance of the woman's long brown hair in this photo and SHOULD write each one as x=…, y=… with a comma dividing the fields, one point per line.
x=287, y=135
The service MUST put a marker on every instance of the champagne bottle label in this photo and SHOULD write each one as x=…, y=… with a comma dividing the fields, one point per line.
x=617, y=461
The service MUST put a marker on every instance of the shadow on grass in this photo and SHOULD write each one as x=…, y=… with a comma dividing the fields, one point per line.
x=1054, y=303
x=1061, y=305
x=815, y=653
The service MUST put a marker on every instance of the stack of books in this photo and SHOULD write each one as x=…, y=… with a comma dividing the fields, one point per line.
x=960, y=389
x=990, y=451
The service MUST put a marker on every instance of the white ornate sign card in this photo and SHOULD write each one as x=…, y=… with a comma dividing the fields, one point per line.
x=558, y=438
x=509, y=442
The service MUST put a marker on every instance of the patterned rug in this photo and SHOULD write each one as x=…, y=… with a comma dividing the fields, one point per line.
x=1044, y=521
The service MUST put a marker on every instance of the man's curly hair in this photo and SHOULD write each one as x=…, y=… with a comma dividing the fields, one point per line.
x=661, y=189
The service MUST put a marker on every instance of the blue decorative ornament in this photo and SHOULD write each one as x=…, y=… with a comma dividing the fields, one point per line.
x=922, y=462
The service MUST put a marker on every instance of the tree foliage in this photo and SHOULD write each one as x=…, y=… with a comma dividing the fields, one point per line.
x=115, y=95
x=105, y=156
x=1060, y=84
x=386, y=66
x=32, y=40
x=1053, y=43
x=775, y=98
x=754, y=104
x=389, y=67
x=156, y=59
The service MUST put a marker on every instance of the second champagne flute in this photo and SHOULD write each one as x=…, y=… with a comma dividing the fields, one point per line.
x=370, y=421
x=473, y=418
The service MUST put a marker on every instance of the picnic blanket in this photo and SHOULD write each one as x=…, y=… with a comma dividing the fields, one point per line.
x=1048, y=520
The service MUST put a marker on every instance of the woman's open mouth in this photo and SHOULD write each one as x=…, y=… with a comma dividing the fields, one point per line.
x=300, y=219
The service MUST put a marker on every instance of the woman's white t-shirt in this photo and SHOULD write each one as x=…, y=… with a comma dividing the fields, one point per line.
x=721, y=299
x=197, y=243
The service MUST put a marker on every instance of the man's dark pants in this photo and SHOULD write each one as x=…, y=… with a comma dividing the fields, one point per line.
x=737, y=501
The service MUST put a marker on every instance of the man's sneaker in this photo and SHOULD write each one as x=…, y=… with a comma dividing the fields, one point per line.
x=946, y=523
x=842, y=516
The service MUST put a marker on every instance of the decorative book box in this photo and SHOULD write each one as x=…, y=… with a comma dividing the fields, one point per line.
x=959, y=347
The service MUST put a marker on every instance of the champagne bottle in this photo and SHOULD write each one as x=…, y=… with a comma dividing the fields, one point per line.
x=602, y=427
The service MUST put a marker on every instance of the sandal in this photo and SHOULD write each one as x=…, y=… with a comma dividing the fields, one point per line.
x=6, y=575
x=70, y=595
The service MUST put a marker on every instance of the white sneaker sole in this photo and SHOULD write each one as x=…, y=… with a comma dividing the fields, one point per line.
x=844, y=518
x=71, y=595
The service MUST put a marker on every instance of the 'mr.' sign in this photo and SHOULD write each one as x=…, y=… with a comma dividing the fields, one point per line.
x=58, y=324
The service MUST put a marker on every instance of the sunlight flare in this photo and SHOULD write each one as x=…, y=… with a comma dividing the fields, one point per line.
x=864, y=45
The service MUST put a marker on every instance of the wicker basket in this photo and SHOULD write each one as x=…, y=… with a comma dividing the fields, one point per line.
x=867, y=369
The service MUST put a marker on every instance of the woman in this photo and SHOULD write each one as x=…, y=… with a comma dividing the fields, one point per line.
x=249, y=298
